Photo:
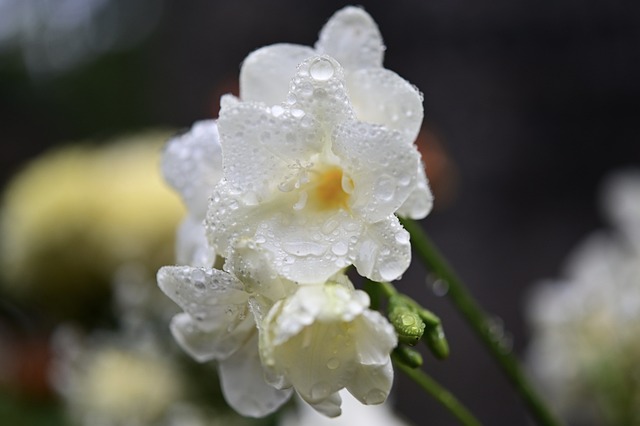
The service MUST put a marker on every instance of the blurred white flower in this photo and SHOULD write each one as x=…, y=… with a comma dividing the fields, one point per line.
x=192, y=165
x=323, y=338
x=586, y=327
x=56, y=35
x=621, y=202
x=114, y=383
x=377, y=95
x=311, y=184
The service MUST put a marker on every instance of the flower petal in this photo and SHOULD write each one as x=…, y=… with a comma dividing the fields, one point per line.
x=192, y=164
x=260, y=144
x=420, y=202
x=380, y=164
x=329, y=406
x=308, y=248
x=371, y=384
x=380, y=96
x=376, y=338
x=205, y=345
x=266, y=72
x=353, y=38
x=217, y=309
x=383, y=252
x=192, y=247
x=243, y=384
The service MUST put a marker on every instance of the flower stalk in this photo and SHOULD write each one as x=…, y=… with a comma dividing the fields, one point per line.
x=479, y=322
x=439, y=393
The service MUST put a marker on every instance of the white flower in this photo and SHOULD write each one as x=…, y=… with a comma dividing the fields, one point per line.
x=117, y=384
x=192, y=165
x=322, y=339
x=312, y=185
x=621, y=201
x=217, y=324
x=586, y=326
x=378, y=95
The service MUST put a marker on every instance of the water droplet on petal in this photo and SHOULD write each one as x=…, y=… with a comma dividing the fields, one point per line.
x=375, y=396
x=333, y=363
x=321, y=70
x=320, y=391
x=385, y=188
x=340, y=248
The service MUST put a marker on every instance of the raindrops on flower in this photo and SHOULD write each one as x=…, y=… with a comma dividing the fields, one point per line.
x=302, y=176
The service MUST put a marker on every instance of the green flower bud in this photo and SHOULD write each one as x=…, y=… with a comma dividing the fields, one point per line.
x=407, y=356
x=405, y=319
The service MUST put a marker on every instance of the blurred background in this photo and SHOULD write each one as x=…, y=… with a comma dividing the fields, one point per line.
x=528, y=106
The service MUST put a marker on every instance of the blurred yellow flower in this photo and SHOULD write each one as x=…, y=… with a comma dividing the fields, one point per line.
x=73, y=216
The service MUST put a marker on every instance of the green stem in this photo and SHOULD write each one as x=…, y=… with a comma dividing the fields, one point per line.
x=479, y=322
x=439, y=393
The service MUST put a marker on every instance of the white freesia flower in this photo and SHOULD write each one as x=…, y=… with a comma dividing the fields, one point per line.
x=217, y=325
x=192, y=165
x=621, y=201
x=311, y=184
x=323, y=338
x=377, y=95
x=585, y=346
x=115, y=382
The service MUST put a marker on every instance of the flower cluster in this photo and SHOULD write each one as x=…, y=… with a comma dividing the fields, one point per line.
x=586, y=339
x=304, y=175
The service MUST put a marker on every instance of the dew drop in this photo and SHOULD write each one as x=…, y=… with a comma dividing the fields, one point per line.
x=305, y=89
x=375, y=396
x=321, y=70
x=340, y=248
x=329, y=226
x=333, y=363
x=402, y=237
x=408, y=320
x=320, y=391
x=277, y=110
x=440, y=287
x=297, y=113
x=391, y=270
x=385, y=188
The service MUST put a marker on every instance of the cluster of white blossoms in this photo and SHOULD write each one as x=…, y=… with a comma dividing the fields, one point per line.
x=299, y=178
x=586, y=327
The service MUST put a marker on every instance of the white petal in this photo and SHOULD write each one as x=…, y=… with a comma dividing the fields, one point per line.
x=243, y=384
x=383, y=252
x=420, y=201
x=192, y=164
x=216, y=305
x=381, y=165
x=375, y=338
x=352, y=37
x=260, y=144
x=192, y=247
x=319, y=89
x=204, y=345
x=371, y=384
x=266, y=72
x=380, y=96
x=330, y=406
x=306, y=247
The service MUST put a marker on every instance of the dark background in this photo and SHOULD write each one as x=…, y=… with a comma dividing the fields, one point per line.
x=534, y=102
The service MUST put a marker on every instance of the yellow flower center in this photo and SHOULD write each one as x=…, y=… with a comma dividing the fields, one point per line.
x=327, y=191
